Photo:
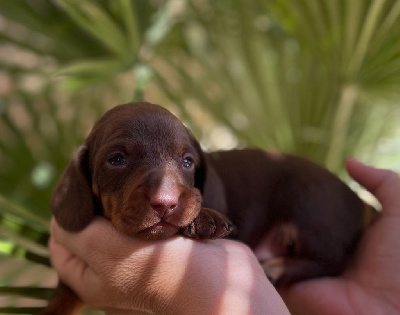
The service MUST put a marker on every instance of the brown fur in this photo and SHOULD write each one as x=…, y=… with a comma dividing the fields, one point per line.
x=288, y=207
x=306, y=217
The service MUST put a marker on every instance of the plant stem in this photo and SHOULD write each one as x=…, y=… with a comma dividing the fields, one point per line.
x=348, y=97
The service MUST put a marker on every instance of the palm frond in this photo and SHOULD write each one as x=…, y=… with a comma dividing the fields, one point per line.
x=317, y=78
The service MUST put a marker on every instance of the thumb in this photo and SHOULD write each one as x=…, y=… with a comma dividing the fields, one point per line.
x=383, y=184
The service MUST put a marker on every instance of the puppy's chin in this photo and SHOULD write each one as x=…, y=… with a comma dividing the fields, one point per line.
x=159, y=231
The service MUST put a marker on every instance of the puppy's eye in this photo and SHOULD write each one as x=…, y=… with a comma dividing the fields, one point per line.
x=117, y=159
x=188, y=162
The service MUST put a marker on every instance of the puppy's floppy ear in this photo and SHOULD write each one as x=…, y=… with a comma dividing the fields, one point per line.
x=72, y=201
x=201, y=168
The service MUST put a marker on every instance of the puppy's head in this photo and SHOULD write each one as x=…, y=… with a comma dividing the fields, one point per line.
x=140, y=167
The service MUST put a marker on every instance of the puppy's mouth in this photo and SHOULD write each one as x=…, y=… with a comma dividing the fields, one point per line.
x=158, y=231
x=138, y=218
x=152, y=230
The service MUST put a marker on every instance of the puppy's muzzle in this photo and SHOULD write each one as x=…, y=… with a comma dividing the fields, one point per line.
x=164, y=192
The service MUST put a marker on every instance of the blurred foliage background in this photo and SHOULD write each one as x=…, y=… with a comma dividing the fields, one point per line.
x=317, y=78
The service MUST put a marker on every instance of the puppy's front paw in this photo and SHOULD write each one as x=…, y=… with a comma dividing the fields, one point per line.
x=209, y=224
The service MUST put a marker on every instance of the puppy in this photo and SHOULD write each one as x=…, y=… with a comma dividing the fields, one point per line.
x=145, y=172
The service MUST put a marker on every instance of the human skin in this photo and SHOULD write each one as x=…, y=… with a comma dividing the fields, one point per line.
x=123, y=275
x=120, y=274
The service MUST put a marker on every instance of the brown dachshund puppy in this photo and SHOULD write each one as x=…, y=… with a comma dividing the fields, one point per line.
x=144, y=171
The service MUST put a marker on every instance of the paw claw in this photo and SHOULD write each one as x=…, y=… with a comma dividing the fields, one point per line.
x=209, y=224
x=227, y=225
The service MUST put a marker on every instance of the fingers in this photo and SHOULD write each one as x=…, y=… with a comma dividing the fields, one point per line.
x=384, y=184
x=61, y=235
x=71, y=269
x=99, y=237
x=64, y=261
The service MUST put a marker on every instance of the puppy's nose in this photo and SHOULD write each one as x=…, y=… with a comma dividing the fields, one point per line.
x=164, y=202
x=164, y=193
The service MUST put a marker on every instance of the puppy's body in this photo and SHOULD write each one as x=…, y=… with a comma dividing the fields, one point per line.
x=287, y=207
x=144, y=171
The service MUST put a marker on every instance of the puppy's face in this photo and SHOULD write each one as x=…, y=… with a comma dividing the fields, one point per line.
x=142, y=165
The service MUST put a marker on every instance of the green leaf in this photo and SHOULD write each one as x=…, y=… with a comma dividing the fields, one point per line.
x=101, y=68
x=31, y=292
x=24, y=242
x=95, y=20
x=20, y=310
x=10, y=208
x=125, y=11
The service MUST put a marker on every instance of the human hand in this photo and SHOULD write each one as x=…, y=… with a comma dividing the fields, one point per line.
x=123, y=275
x=371, y=285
